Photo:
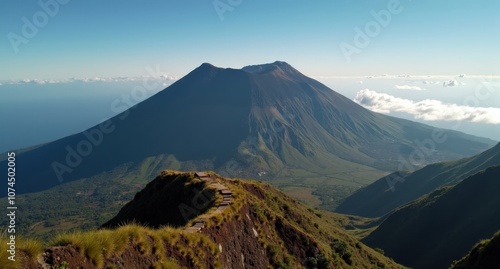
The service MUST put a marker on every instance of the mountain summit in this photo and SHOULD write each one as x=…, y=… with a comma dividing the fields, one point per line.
x=264, y=120
x=277, y=66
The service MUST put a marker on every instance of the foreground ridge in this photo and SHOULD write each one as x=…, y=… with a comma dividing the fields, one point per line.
x=204, y=220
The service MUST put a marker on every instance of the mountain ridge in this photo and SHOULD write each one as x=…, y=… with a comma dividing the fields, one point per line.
x=484, y=255
x=442, y=226
x=257, y=227
x=376, y=199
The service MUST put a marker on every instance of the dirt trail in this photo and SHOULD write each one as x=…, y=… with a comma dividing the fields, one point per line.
x=226, y=193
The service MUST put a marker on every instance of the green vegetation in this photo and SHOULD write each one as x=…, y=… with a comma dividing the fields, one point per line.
x=447, y=222
x=318, y=234
x=102, y=245
x=97, y=245
x=484, y=255
x=63, y=265
x=339, y=247
x=75, y=206
x=26, y=249
x=277, y=230
x=377, y=199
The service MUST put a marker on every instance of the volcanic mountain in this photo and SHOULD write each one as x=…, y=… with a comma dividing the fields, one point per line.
x=268, y=119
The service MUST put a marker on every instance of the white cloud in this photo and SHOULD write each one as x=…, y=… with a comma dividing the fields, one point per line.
x=432, y=79
x=430, y=82
x=161, y=78
x=452, y=83
x=408, y=87
x=429, y=109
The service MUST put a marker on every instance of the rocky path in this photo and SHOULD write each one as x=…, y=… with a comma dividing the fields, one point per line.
x=226, y=193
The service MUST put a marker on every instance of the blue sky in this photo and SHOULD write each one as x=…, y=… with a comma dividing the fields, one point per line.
x=120, y=38
x=449, y=48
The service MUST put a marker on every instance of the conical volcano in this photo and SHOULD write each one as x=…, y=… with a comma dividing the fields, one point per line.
x=268, y=121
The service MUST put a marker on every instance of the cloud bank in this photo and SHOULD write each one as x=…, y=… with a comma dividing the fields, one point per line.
x=450, y=83
x=408, y=87
x=165, y=78
x=430, y=110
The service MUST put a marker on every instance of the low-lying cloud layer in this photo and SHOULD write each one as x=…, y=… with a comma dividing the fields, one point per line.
x=428, y=109
x=93, y=79
x=408, y=87
x=452, y=83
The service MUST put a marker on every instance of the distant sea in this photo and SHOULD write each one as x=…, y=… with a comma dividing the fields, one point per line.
x=32, y=114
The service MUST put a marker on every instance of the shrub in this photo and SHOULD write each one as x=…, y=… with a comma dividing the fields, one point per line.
x=31, y=247
x=323, y=261
x=347, y=258
x=63, y=265
x=340, y=247
x=311, y=262
x=274, y=253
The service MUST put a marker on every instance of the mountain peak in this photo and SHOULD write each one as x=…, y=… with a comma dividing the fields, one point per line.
x=203, y=72
x=269, y=67
x=207, y=65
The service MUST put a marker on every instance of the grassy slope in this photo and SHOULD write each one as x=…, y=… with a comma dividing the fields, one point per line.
x=324, y=228
x=151, y=206
x=274, y=215
x=484, y=255
x=86, y=204
x=377, y=199
x=436, y=229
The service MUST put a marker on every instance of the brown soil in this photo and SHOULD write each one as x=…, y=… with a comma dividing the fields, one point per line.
x=240, y=247
x=58, y=256
x=298, y=244
x=132, y=257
